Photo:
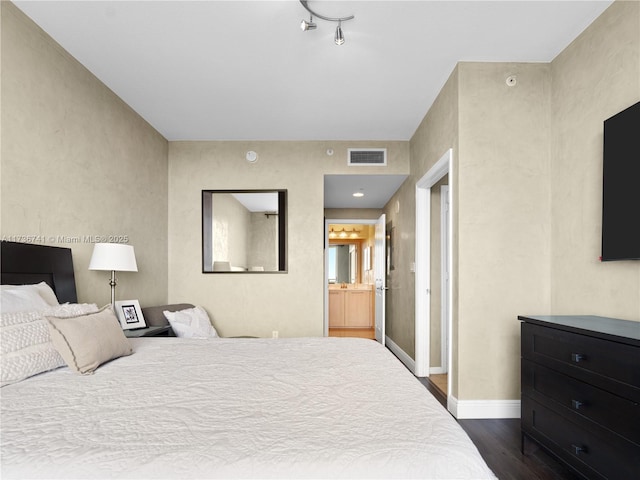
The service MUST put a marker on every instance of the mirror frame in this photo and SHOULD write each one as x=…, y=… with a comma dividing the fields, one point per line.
x=207, y=237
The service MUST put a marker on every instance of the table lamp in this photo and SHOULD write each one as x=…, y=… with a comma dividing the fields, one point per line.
x=114, y=257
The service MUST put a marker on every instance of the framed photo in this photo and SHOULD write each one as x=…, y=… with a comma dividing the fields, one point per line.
x=129, y=314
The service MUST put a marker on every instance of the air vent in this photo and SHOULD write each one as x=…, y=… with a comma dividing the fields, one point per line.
x=365, y=157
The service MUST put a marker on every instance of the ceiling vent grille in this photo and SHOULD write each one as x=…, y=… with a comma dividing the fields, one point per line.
x=366, y=157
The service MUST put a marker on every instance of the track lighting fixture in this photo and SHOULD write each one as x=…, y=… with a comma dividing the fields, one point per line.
x=339, y=36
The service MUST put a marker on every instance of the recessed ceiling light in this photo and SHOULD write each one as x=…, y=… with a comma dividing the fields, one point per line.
x=358, y=194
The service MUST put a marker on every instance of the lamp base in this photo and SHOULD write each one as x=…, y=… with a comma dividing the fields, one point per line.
x=112, y=282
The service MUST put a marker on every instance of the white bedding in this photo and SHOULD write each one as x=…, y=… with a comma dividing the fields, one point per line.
x=229, y=408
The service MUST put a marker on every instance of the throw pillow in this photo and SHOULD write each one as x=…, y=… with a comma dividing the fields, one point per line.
x=87, y=341
x=191, y=323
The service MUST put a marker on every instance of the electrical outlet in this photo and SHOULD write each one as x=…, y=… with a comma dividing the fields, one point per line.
x=274, y=334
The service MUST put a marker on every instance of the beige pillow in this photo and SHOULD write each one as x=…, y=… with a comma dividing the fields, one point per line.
x=87, y=341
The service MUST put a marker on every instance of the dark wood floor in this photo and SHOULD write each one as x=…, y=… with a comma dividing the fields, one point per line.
x=498, y=441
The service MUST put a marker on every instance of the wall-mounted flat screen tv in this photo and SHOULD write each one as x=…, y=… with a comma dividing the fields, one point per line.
x=621, y=186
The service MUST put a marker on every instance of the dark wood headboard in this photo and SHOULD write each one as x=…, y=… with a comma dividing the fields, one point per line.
x=26, y=263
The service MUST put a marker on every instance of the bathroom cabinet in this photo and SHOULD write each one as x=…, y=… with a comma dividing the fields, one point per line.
x=350, y=308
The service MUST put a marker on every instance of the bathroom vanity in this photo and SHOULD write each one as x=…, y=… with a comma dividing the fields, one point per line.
x=350, y=307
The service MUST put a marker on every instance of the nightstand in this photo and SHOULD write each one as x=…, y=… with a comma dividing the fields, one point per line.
x=163, y=331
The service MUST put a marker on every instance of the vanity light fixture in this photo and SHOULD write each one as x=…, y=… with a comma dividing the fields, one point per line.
x=339, y=36
x=344, y=233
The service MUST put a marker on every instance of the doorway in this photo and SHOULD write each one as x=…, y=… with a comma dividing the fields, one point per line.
x=433, y=283
x=352, y=300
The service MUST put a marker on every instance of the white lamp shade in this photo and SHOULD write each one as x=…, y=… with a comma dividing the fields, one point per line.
x=113, y=256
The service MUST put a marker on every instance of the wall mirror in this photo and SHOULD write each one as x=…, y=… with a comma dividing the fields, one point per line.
x=343, y=263
x=244, y=231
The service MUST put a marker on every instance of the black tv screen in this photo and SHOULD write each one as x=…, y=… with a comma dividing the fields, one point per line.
x=621, y=186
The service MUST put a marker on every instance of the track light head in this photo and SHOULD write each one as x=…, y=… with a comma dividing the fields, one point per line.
x=339, y=38
x=304, y=25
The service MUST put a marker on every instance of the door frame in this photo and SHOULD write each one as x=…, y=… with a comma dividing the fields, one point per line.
x=441, y=168
x=445, y=332
x=327, y=222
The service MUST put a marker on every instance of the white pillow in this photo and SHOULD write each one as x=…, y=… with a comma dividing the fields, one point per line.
x=25, y=342
x=21, y=300
x=47, y=293
x=191, y=323
x=42, y=289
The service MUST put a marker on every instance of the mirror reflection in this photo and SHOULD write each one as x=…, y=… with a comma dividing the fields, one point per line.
x=343, y=263
x=350, y=254
x=243, y=231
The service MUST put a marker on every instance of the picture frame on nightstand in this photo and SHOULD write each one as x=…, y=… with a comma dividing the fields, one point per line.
x=129, y=314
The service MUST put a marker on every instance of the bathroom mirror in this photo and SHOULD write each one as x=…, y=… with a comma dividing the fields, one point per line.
x=244, y=231
x=343, y=263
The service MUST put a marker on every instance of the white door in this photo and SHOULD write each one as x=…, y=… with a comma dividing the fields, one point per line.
x=380, y=276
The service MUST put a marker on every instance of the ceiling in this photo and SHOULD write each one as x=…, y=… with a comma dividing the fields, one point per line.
x=258, y=201
x=244, y=70
x=377, y=190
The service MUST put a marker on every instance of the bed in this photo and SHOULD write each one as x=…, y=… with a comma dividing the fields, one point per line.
x=234, y=408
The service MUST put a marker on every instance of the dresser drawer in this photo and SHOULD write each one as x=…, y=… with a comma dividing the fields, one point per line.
x=595, y=456
x=581, y=402
x=607, y=364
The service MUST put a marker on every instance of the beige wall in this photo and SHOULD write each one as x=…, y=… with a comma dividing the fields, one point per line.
x=230, y=230
x=293, y=302
x=77, y=162
x=353, y=213
x=437, y=132
x=526, y=198
x=263, y=242
x=597, y=76
x=503, y=220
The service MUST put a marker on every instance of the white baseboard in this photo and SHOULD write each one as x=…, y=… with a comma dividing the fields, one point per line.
x=401, y=354
x=483, y=409
x=463, y=409
x=436, y=371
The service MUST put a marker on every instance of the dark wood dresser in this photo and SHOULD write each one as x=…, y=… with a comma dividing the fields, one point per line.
x=581, y=392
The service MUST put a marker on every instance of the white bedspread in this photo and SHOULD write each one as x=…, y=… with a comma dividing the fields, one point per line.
x=229, y=408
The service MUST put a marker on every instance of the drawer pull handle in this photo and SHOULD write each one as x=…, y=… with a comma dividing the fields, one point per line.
x=577, y=357
x=578, y=450
x=577, y=404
